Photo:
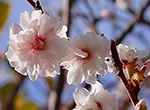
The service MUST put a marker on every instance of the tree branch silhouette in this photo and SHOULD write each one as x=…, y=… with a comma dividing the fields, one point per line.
x=136, y=19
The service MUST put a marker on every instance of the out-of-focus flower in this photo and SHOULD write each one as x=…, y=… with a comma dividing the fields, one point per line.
x=97, y=99
x=104, y=13
x=87, y=58
x=37, y=44
x=141, y=105
x=123, y=4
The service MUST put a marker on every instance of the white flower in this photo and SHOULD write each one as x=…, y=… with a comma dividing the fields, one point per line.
x=147, y=68
x=97, y=99
x=129, y=54
x=37, y=44
x=87, y=58
x=132, y=60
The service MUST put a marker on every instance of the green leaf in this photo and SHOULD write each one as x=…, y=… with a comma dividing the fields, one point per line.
x=4, y=12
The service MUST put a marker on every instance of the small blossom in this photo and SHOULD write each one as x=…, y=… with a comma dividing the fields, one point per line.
x=37, y=44
x=129, y=54
x=131, y=59
x=97, y=99
x=86, y=58
x=141, y=105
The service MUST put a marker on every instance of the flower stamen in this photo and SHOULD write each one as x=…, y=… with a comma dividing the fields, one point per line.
x=99, y=106
x=84, y=59
x=38, y=44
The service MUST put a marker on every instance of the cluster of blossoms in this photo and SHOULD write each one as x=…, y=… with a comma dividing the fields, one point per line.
x=38, y=46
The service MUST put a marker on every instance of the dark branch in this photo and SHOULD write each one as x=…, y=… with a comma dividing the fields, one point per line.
x=61, y=79
x=134, y=99
x=138, y=17
x=59, y=88
x=36, y=5
x=9, y=103
x=67, y=6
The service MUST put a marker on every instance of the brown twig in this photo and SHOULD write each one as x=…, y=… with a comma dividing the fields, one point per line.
x=36, y=5
x=9, y=102
x=59, y=88
x=138, y=17
x=67, y=6
x=61, y=80
x=134, y=99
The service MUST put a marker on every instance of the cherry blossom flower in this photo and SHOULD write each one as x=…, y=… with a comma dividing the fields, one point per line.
x=129, y=54
x=96, y=99
x=131, y=59
x=86, y=58
x=37, y=44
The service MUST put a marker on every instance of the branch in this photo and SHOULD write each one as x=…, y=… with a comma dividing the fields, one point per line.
x=9, y=102
x=67, y=6
x=137, y=18
x=134, y=99
x=59, y=88
x=36, y=5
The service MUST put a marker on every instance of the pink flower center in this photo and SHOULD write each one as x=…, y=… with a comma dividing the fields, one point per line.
x=38, y=44
x=99, y=106
x=85, y=58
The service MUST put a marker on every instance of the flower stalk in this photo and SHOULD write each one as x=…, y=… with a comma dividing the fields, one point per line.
x=117, y=63
x=36, y=5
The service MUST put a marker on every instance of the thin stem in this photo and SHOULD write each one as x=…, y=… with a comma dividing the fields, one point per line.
x=59, y=88
x=9, y=103
x=67, y=6
x=134, y=99
x=36, y=5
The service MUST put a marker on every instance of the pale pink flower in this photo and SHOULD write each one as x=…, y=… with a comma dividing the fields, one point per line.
x=131, y=59
x=96, y=99
x=37, y=44
x=129, y=54
x=86, y=58
x=146, y=68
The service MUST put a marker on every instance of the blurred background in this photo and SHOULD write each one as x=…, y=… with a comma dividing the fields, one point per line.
x=125, y=21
